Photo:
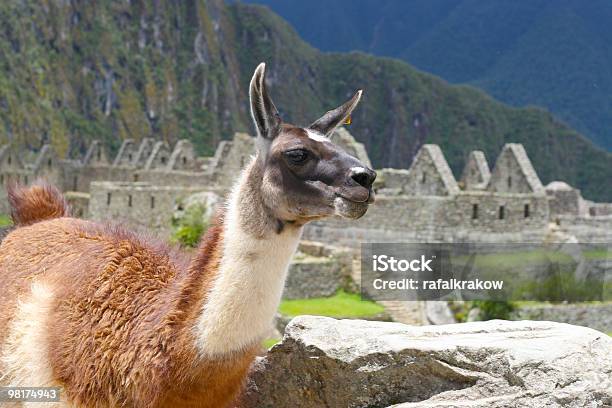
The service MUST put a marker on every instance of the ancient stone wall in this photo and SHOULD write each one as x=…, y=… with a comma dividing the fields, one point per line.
x=599, y=209
x=317, y=271
x=160, y=156
x=137, y=203
x=514, y=173
x=231, y=157
x=477, y=216
x=183, y=157
x=149, y=161
x=126, y=154
x=424, y=202
x=79, y=203
x=476, y=174
x=393, y=180
x=430, y=174
x=77, y=177
x=595, y=316
x=587, y=229
x=563, y=199
x=176, y=178
x=4, y=207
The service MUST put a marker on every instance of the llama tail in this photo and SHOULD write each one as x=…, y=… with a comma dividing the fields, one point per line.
x=36, y=203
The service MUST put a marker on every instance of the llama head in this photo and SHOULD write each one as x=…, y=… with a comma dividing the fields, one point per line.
x=304, y=175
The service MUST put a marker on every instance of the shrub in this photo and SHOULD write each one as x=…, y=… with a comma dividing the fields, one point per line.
x=5, y=220
x=188, y=228
x=492, y=309
x=460, y=310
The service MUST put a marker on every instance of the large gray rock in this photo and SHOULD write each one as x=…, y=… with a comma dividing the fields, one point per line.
x=324, y=362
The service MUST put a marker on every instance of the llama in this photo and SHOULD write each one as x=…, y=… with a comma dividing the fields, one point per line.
x=117, y=319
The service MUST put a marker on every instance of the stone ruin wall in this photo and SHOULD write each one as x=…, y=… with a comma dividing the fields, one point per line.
x=424, y=202
x=139, y=203
x=590, y=222
x=152, y=200
x=565, y=202
x=148, y=162
x=431, y=218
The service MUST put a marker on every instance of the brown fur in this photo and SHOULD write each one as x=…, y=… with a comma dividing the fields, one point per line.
x=121, y=331
x=38, y=202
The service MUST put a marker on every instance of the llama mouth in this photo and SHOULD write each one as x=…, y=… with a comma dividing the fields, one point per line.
x=347, y=208
x=369, y=199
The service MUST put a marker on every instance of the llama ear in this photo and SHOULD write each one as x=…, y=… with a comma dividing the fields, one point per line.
x=334, y=118
x=265, y=115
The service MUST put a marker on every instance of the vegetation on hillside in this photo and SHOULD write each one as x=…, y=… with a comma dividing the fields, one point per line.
x=523, y=52
x=73, y=72
x=489, y=309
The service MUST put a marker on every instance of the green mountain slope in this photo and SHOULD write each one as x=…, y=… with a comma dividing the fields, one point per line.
x=555, y=54
x=71, y=72
x=174, y=69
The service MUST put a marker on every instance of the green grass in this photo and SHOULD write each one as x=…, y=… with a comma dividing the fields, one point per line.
x=600, y=253
x=268, y=343
x=188, y=229
x=5, y=220
x=342, y=304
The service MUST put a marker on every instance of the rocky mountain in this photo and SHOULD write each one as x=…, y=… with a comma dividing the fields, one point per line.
x=71, y=72
x=554, y=54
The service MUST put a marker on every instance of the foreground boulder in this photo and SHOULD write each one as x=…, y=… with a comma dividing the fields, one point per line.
x=324, y=362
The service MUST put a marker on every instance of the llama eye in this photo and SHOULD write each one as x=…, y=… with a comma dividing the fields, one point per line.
x=297, y=156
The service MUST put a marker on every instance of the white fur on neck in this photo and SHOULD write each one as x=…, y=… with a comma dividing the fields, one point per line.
x=248, y=288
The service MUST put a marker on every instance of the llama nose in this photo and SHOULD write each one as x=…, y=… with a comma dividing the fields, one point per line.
x=363, y=176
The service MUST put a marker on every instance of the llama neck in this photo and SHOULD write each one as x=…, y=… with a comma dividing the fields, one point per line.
x=247, y=289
